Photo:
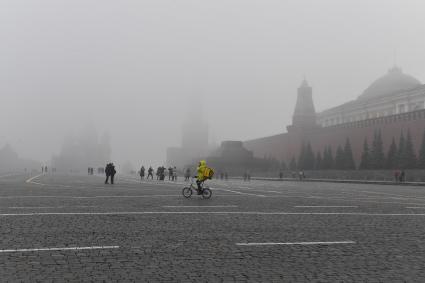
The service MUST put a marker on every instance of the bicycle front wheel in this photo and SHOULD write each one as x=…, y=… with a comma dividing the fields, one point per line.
x=206, y=193
x=187, y=192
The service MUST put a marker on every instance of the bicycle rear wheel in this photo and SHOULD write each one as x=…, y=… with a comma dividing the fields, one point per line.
x=187, y=192
x=206, y=193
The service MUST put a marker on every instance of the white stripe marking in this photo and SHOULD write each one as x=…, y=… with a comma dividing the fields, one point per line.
x=258, y=190
x=9, y=175
x=211, y=212
x=45, y=207
x=59, y=249
x=94, y=197
x=89, y=197
x=240, y=193
x=415, y=207
x=296, y=243
x=30, y=180
x=176, y=206
x=323, y=206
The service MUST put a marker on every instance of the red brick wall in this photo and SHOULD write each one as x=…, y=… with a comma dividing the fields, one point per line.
x=288, y=145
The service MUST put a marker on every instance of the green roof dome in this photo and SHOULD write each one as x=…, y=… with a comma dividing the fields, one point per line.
x=393, y=82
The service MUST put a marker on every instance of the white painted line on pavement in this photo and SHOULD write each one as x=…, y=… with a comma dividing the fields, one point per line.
x=59, y=249
x=326, y=206
x=347, y=200
x=185, y=206
x=30, y=180
x=296, y=243
x=240, y=193
x=30, y=207
x=89, y=197
x=210, y=212
x=100, y=197
x=246, y=188
x=416, y=207
x=259, y=190
x=153, y=182
x=394, y=196
x=47, y=207
x=10, y=175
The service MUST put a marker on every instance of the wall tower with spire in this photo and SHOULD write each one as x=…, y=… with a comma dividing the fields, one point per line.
x=304, y=117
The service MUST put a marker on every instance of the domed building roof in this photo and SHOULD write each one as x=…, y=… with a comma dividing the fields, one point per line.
x=394, y=81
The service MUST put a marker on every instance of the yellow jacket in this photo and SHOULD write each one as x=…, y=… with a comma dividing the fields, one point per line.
x=201, y=169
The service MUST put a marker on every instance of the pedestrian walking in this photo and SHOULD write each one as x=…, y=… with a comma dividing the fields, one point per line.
x=301, y=175
x=150, y=173
x=110, y=173
x=170, y=173
x=187, y=174
x=402, y=177
x=162, y=173
x=175, y=174
x=396, y=176
x=158, y=172
x=142, y=173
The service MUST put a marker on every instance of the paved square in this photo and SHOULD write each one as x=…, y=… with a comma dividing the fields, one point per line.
x=75, y=228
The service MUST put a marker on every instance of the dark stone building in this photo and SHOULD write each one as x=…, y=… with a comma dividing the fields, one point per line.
x=233, y=158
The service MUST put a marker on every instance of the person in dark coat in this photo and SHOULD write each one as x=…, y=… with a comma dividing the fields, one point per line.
x=110, y=173
x=162, y=173
x=150, y=173
x=187, y=174
x=402, y=176
x=158, y=173
x=142, y=173
x=170, y=173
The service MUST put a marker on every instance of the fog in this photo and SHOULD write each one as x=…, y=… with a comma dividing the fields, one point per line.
x=134, y=70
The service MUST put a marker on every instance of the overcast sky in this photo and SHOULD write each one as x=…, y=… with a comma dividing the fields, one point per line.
x=132, y=68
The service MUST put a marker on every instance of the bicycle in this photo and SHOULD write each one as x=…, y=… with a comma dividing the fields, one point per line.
x=187, y=192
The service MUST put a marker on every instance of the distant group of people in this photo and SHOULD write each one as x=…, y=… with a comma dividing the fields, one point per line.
x=224, y=176
x=44, y=169
x=398, y=175
x=100, y=170
x=142, y=172
x=160, y=173
x=300, y=175
x=172, y=173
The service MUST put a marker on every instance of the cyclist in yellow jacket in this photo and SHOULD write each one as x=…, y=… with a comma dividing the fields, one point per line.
x=201, y=176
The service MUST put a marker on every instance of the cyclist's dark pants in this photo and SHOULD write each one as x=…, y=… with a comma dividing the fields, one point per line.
x=199, y=183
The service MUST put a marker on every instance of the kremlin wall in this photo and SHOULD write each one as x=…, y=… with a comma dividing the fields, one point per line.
x=392, y=104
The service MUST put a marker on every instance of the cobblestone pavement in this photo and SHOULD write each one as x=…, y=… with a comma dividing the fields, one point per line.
x=75, y=228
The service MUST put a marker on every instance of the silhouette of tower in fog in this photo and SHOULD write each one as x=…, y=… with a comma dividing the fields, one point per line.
x=195, y=139
x=305, y=114
x=195, y=132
